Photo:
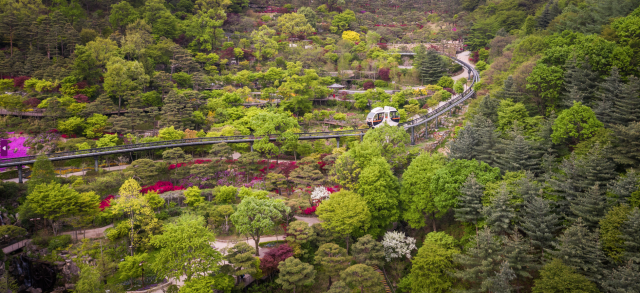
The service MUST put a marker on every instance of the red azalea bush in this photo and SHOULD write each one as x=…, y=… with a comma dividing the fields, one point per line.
x=384, y=74
x=105, y=203
x=269, y=263
x=80, y=98
x=161, y=187
x=18, y=82
x=333, y=189
x=368, y=85
x=309, y=211
x=32, y=102
x=197, y=162
x=475, y=56
x=383, y=46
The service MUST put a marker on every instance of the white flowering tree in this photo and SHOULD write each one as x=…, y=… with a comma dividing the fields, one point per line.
x=397, y=245
x=319, y=194
x=397, y=249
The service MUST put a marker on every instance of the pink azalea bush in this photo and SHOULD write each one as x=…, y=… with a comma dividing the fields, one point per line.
x=162, y=187
x=197, y=162
x=105, y=203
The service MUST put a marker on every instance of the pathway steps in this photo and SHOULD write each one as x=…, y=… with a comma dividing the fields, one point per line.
x=387, y=289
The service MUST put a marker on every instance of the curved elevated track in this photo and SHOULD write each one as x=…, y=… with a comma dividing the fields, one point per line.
x=97, y=152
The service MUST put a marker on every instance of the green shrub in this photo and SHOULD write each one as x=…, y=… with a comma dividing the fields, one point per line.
x=162, y=215
x=271, y=244
x=481, y=66
x=380, y=83
x=59, y=242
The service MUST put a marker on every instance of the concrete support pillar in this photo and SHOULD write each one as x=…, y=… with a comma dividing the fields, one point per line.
x=426, y=130
x=251, y=144
x=338, y=142
x=436, y=123
x=95, y=162
x=413, y=136
x=19, y=173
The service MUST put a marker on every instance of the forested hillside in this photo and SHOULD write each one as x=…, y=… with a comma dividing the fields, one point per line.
x=529, y=185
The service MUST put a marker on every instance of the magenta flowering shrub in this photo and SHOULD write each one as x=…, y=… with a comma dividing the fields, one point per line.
x=16, y=149
x=197, y=162
x=161, y=187
x=105, y=203
x=309, y=211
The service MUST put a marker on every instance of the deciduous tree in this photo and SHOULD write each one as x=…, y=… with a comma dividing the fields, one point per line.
x=416, y=196
x=344, y=213
x=185, y=249
x=556, y=277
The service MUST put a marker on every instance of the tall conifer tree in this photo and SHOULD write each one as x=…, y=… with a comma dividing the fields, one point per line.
x=469, y=208
x=540, y=223
x=581, y=250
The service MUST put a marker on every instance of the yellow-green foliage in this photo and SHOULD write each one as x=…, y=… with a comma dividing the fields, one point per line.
x=610, y=233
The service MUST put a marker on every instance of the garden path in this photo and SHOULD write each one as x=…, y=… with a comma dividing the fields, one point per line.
x=225, y=244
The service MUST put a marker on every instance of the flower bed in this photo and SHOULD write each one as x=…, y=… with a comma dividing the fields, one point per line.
x=16, y=148
x=161, y=187
x=196, y=162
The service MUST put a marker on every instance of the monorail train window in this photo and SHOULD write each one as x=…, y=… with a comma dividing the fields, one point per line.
x=380, y=116
x=394, y=116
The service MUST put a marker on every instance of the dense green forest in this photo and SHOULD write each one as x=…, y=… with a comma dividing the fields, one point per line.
x=530, y=186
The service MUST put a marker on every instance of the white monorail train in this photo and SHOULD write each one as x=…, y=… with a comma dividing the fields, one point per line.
x=379, y=116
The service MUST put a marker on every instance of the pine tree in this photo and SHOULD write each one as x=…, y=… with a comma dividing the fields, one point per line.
x=623, y=279
x=630, y=233
x=540, y=223
x=431, y=68
x=576, y=175
x=518, y=155
x=464, y=143
x=580, y=83
x=590, y=206
x=368, y=251
x=624, y=186
x=33, y=62
x=527, y=189
x=480, y=262
x=519, y=253
x=489, y=108
x=469, y=208
x=613, y=92
x=626, y=106
x=597, y=168
x=501, y=283
x=546, y=17
x=8, y=27
x=72, y=38
x=510, y=91
x=581, y=250
x=627, y=149
x=487, y=136
x=101, y=105
x=176, y=111
x=500, y=213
